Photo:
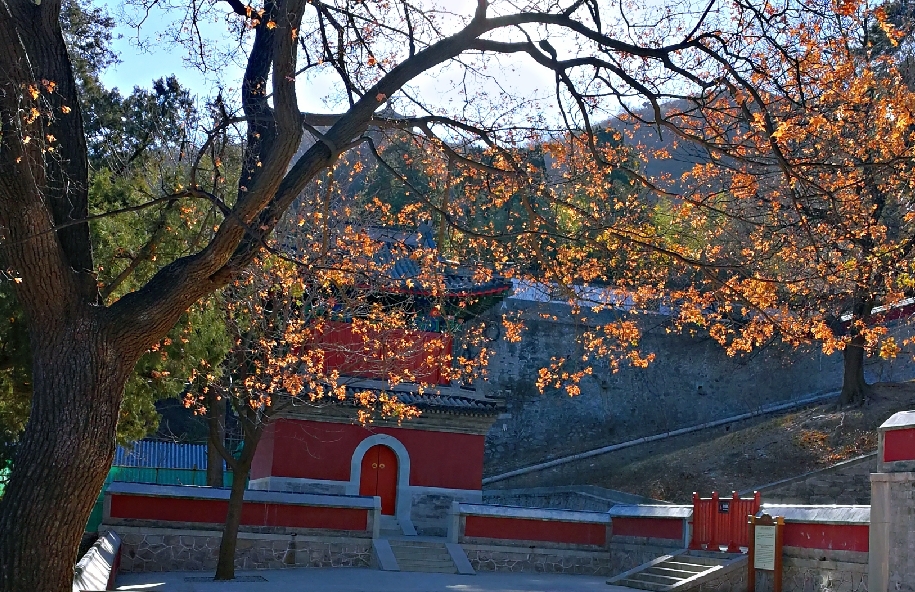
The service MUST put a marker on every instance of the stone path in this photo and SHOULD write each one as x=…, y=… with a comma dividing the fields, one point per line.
x=364, y=580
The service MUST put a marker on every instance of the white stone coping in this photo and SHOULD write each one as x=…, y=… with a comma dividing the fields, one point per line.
x=251, y=495
x=93, y=571
x=821, y=514
x=651, y=511
x=532, y=513
x=899, y=421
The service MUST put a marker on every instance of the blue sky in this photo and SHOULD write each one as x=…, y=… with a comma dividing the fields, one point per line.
x=160, y=57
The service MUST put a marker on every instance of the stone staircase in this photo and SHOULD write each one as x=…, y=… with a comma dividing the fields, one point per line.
x=681, y=573
x=390, y=527
x=427, y=556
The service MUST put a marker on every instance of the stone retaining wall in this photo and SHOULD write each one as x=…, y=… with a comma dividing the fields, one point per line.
x=691, y=381
x=625, y=556
x=615, y=560
x=818, y=570
x=162, y=549
x=847, y=482
x=587, y=498
x=732, y=581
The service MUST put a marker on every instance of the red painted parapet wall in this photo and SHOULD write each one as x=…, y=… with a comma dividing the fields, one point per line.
x=834, y=528
x=899, y=445
x=658, y=524
x=835, y=537
x=128, y=502
x=478, y=523
x=520, y=529
x=654, y=528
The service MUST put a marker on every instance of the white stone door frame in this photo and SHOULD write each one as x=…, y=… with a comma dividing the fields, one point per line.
x=404, y=501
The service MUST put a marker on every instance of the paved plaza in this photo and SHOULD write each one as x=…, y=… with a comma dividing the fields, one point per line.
x=363, y=580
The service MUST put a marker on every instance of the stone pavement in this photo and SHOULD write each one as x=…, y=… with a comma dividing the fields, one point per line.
x=363, y=580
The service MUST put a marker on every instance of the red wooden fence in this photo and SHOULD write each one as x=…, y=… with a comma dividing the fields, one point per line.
x=718, y=522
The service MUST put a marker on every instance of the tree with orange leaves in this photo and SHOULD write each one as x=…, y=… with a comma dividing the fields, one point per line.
x=801, y=211
x=283, y=315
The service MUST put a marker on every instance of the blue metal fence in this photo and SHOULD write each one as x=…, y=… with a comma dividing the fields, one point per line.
x=162, y=455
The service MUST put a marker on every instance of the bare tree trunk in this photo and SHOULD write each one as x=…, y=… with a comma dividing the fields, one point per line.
x=64, y=455
x=854, y=388
x=225, y=566
x=216, y=422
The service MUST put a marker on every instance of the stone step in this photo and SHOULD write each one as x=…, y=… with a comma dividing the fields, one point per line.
x=663, y=570
x=418, y=557
x=429, y=568
x=683, y=566
x=703, y=560
x=665, y=575
x=644, y=576
x=439, y=562
x=642, y=585
x=399, y=553
x=420, y=550
x=440, y=553
x=424, y=556
x=408, y=542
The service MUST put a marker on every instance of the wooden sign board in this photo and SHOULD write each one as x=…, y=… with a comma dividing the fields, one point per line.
x=765, y=549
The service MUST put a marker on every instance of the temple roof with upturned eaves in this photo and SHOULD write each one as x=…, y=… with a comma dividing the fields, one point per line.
x=397, y=247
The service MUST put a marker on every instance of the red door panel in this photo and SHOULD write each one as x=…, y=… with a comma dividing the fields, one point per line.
x=368, y=476
x=387, y=479
x=378, y=476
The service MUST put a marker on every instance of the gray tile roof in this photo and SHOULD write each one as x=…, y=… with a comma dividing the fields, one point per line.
x=440, y=403
x=397, y=246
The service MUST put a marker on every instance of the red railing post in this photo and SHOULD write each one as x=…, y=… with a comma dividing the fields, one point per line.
x=735, y=524
x=695, y=542
x=713, y=514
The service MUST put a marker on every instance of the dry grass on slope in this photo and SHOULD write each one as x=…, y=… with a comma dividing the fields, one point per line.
x=748, y=457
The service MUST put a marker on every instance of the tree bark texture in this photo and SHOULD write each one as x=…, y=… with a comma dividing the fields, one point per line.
x=854, y=388
x=216, y=425
x=63, y=457
x=83, y=352
x=225, y=567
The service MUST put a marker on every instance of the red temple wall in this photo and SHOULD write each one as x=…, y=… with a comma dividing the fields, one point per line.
x=317, y=450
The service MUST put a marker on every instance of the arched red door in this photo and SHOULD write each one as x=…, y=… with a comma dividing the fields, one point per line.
x=379, y=476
